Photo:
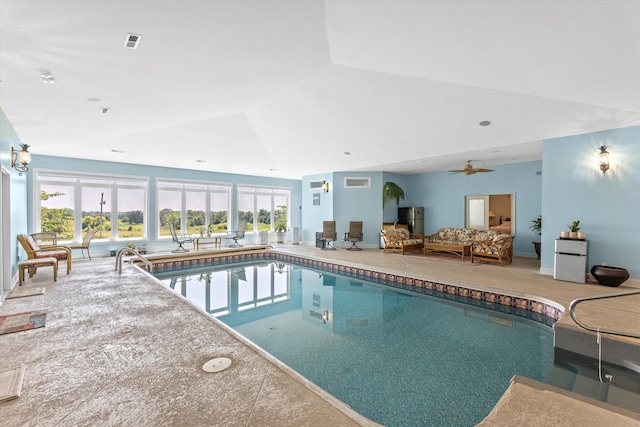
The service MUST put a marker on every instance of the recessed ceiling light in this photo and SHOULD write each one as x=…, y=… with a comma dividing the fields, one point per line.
x=117, y=151
x=201, y=161
x=93, y=99
x=347, y=153
x=484, y=123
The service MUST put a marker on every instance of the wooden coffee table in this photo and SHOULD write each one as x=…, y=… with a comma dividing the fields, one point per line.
x=456, y=249
x=216, y=241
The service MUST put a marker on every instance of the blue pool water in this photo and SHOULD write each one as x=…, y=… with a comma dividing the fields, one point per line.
x=397, y=358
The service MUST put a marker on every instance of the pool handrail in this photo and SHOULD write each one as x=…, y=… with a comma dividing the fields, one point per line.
x=575, y=302
x=131, y=251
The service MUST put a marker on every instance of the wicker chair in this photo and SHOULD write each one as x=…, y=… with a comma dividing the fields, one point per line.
x=85, y=242
x=35, y=251
x=45, y=238
x=498, y=250
x=401, y=240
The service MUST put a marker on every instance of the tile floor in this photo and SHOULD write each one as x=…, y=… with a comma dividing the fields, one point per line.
x=118, y=349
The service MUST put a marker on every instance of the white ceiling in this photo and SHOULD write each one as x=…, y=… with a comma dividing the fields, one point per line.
x=285, y=88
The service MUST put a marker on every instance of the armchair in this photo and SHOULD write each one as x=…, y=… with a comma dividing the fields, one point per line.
x=498, y=250
x=354, y=235
x=45, y=238
x=86, y=241
x=401, y=240
x=236, y=234
x=329, y=234
x=180, y=239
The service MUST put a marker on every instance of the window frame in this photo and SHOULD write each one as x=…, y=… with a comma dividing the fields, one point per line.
x=184, y=186
x=80, y=181
x=262, y=190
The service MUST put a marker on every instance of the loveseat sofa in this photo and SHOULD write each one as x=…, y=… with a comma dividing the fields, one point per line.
x=456, y=241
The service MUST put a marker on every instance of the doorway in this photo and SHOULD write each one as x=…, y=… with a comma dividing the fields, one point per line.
x=491, y=212
x=5, y=227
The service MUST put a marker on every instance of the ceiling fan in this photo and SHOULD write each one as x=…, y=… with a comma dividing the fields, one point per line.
x=470, y=170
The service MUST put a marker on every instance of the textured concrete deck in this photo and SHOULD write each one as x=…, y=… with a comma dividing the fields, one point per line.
x=120, y=350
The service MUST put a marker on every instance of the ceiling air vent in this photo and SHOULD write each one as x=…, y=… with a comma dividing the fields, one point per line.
x=357, y=182
x=132, y=40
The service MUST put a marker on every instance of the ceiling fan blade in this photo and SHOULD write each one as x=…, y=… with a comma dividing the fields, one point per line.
x=470, y=170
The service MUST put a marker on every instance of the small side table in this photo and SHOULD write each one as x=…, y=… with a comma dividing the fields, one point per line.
x=216, y=241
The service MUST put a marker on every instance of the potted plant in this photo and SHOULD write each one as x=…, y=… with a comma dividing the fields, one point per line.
x=391, y=191
x=536, y=227
x=573, y=229
x=281, y=230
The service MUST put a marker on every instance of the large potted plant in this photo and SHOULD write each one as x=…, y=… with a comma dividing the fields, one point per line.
x=281, y=231
x=391, y=191
x=536, y=227
x=280, y=225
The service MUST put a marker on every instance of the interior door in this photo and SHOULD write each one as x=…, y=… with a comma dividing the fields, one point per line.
x=477, y=212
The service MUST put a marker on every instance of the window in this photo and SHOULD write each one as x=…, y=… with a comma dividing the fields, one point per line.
x=98, y=199
x=192, y=207
x=264, y=208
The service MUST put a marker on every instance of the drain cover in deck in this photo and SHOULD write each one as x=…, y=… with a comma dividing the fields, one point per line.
x=218, y=364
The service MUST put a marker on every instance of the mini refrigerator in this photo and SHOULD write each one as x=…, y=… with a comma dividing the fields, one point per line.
x=570, y=263
x=413, y=217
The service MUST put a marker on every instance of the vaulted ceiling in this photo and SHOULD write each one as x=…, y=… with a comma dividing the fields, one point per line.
x=288, y=88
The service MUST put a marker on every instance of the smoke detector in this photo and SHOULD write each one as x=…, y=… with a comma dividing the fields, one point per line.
x=132, y=41
x=47, y=77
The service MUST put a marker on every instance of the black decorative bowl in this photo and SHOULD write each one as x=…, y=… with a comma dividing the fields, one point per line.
x=609, y=276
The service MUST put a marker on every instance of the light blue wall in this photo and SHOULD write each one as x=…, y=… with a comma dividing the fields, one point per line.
x=343, y=205
x=153, y=172
x=442, y=195
x=359, y=204
x=313, y=215
x=18, y=190
x=607, y=205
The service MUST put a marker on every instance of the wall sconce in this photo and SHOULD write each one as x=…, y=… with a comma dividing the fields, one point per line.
x=20, y=159
x=603, y=158
x=325, y=316
x=325, y=186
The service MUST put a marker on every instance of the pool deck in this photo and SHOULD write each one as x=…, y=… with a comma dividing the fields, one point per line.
x=118, y=349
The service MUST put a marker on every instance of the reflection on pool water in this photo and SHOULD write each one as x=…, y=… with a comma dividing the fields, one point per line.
x=399, y=359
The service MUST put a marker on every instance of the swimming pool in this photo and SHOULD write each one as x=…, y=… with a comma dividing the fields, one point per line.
x=396, y=357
